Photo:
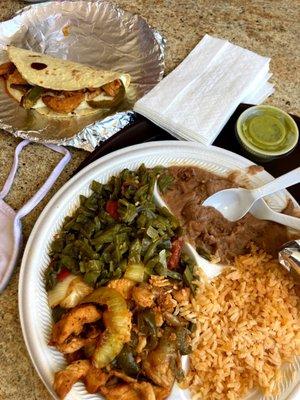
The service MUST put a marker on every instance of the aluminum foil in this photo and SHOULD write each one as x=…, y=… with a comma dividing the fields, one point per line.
x=94, y=32
x=289, y=257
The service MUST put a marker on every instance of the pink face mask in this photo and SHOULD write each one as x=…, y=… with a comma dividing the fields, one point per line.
x=10, y=220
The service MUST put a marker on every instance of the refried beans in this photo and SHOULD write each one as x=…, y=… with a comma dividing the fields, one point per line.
x=206, y=228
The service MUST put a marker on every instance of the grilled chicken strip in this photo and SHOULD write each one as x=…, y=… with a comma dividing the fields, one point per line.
x=6, y=68
x=65, y=103
x=17, y=78
x=94, y=379
x=73, y=322
x=161, y=393
x=92, y=93
x=130, y=391
x=74, y=344
x=123, y=286
x=143, y=295
x=112, y=88
x=65, y=379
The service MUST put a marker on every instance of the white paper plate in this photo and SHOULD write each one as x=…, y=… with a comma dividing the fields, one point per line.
x=34, y=311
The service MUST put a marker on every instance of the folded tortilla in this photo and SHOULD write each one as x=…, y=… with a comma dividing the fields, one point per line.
x=58, y=81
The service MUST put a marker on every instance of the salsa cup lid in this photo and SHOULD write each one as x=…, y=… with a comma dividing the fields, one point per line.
x=266, y=109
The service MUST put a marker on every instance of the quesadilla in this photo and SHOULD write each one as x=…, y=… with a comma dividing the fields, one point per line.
x=61, y=88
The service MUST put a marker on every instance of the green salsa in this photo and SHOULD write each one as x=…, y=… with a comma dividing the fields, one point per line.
x=268, y=129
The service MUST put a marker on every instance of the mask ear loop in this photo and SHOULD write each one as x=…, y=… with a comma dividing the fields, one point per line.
x=10, y=178
x=41, y=193
x=29, y=206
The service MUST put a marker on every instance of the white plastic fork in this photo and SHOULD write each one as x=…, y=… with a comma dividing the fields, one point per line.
x=261, y=210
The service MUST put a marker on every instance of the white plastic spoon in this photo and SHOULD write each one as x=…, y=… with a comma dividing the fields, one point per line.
x=235, y=203
x=210, y=270
x=261, y=210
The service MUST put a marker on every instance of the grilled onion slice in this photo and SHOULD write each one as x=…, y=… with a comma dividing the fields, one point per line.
x=117, y=320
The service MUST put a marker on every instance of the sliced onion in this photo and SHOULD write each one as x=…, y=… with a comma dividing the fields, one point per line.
x=69, y=292
x=109, y=297
x=117, y=317
x=58, y=293
x=135, y=272
x=109, y=346
x=119, y=322
x=76, y=292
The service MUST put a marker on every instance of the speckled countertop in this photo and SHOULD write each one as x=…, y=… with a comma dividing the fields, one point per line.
x=268, y=27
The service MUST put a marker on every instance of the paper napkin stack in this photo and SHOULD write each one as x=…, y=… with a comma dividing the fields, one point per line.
x=195, y=101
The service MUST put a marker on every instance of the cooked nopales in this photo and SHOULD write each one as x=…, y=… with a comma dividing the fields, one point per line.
x=61, y=88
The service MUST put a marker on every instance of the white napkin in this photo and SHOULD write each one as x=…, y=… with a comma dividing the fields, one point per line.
x=195, y=101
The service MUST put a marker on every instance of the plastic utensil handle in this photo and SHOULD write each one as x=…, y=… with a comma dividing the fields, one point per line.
x=287, y=220
x=284, y=181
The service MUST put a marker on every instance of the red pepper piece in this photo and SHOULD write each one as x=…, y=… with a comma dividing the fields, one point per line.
x=63, y=274
x=111, y=208
x=176, y=249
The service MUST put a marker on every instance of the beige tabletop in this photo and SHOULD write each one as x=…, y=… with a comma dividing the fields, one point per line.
x=268, y=27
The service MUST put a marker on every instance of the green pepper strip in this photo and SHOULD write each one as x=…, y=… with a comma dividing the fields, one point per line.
x=127, y=363
x=31, y=97
x=147, y=325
